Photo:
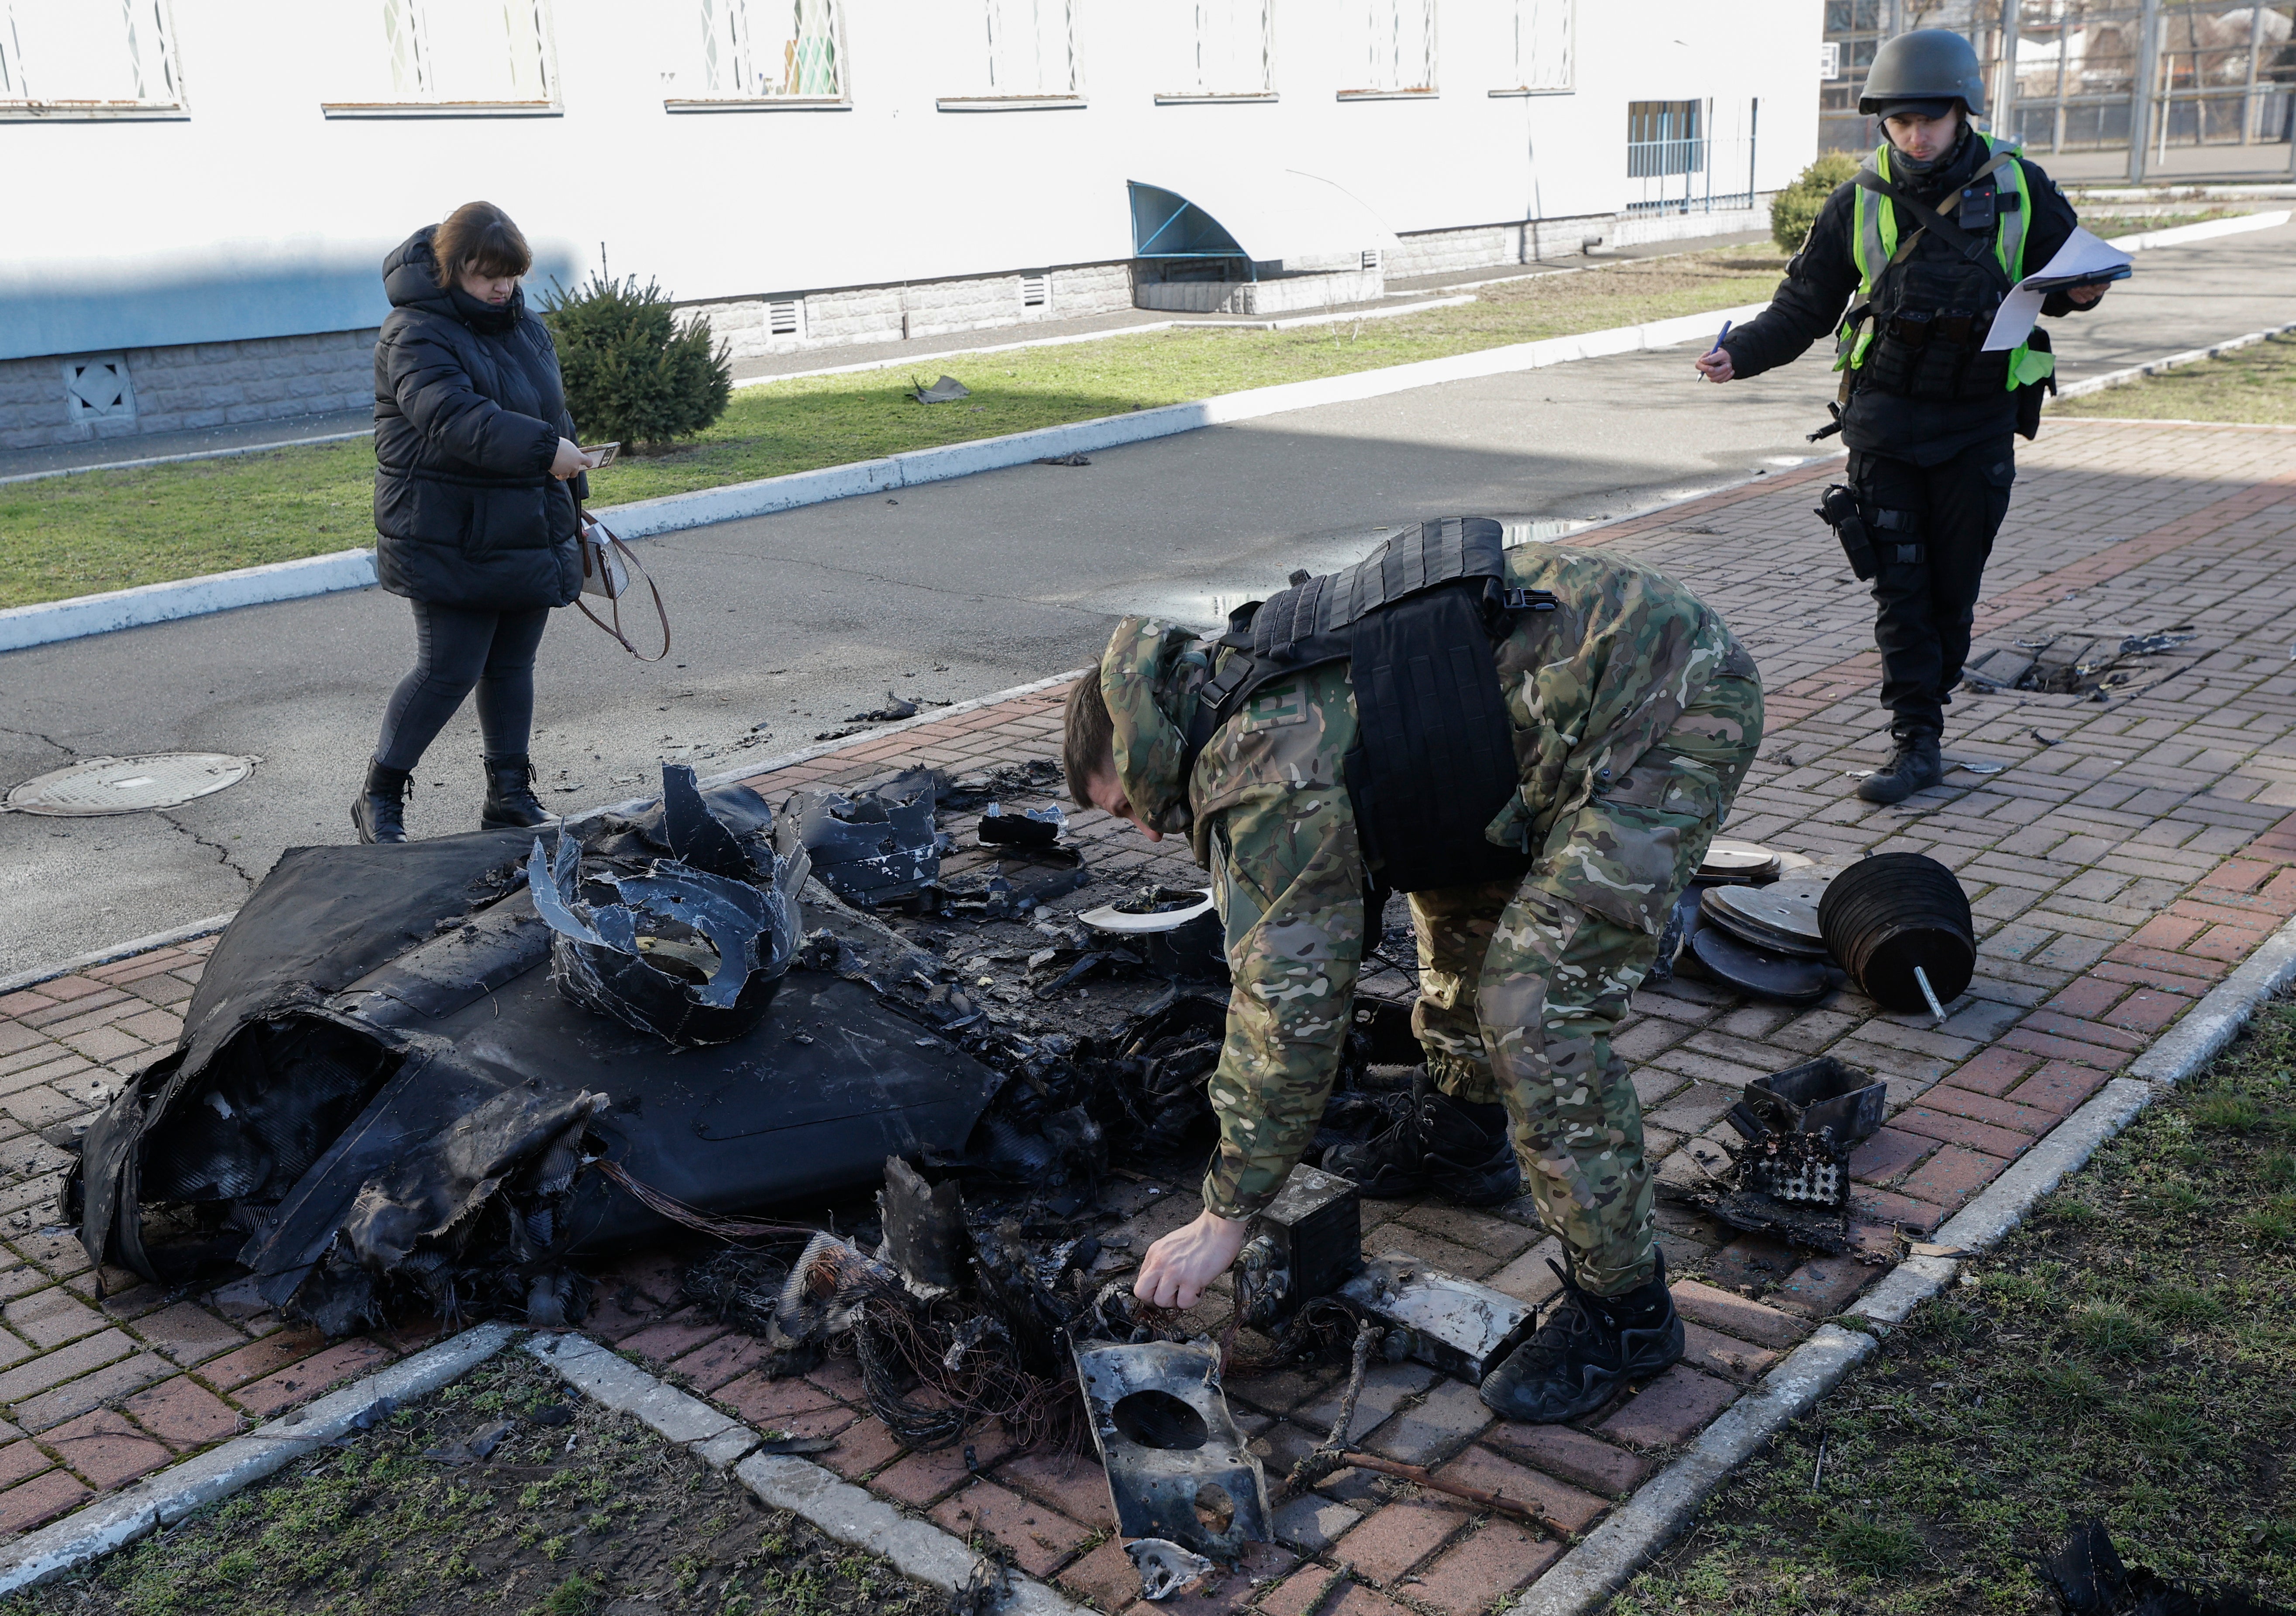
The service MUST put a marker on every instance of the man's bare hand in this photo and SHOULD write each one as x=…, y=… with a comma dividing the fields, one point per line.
x=1178, y=1267
x=1715, y=364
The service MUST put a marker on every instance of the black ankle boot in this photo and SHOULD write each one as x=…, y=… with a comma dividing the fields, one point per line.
x=1588, y=1349
x=1460, y=1151
x=510, y=803
x=1915, y=766
x=380, y=810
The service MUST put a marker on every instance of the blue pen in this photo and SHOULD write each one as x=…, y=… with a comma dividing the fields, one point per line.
x=1718, y=341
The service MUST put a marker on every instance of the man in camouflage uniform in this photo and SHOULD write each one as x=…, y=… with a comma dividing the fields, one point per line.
x=1635, y=714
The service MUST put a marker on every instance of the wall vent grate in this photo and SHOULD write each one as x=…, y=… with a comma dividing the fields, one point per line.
x=1036, y=291
x=99, y=389
x=785, y=317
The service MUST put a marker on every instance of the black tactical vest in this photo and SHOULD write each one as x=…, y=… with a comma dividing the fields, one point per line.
x=1419, y=622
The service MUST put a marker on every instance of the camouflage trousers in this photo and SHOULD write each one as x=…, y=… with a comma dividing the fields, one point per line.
x=1521, y=990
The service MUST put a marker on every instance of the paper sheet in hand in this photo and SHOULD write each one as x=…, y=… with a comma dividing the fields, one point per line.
x=2082, y=258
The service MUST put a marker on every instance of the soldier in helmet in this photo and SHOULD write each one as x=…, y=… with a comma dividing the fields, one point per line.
x=1536, y=744
x=1920, y=249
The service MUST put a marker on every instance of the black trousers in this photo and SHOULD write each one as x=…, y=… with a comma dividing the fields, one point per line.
x=454, y=649
x=1924, y=608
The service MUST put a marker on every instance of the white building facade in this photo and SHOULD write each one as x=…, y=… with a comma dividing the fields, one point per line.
x=200, y=191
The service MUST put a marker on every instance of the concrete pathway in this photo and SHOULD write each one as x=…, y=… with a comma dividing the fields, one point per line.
x=2132, y=852
x=787, y=624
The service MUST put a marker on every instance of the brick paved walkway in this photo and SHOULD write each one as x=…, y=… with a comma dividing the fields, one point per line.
x=2131, y=854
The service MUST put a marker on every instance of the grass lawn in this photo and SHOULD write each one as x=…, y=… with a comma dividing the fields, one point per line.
x=581, y=1512
x=2257, y=384
x=2129, y=1354
x=68, y=536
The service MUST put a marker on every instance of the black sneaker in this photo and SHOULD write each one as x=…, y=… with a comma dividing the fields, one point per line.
x=1462, y=1153
x=1586, y=1350
x=1915, y=766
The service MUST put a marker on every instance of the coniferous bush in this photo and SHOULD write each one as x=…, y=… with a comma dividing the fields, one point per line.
x=1794, y=210
x=633, y=372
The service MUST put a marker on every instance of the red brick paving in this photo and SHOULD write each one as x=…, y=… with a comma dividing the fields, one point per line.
x=2110, y=889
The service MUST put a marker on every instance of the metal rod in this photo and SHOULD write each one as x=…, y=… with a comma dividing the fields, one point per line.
x=1930, y=993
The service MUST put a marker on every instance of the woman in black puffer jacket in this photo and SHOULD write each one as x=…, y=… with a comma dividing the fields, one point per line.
x=476, y=484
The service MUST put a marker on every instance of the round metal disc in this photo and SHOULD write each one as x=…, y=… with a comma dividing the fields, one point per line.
x=1112, y=919
x=1787, y=907
x=1759, y=935
x=1735, y=857
x=127, y=785
x=1793, y=980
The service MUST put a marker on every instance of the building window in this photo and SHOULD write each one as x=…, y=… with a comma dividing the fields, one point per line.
x=766, y=53
x=1538, y=34
x=1231, y=53
x=454, y=57
x=1398, y=48
x=1031, y=58
x=87, y=59
x=1663, y=137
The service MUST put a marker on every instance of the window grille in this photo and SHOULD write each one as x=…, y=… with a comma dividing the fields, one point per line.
x=456, y=53
x=785, y=317
x=88, y=58
x=1232, y=51
x=1540, y=34
x=1032, y=48
x=1036, y=291
x=760, y=50
x=1371, y=259
x=1398, y=44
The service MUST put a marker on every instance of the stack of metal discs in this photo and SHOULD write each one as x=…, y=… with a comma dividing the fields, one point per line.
x=1738, y=864
x=1766, y=939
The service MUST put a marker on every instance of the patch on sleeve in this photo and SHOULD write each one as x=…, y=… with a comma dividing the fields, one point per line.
x=1275, y=708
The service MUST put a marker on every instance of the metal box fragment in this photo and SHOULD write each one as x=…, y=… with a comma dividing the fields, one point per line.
x=1178, y=1467
x=1453, y=1325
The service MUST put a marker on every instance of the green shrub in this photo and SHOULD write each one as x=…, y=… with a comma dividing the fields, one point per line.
x=633, y=373
x=1794, y=210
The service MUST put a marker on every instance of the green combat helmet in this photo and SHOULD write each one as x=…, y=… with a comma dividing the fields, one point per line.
x=1928, y=64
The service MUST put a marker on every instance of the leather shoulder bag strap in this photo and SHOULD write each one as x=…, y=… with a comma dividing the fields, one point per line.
x=614, y=601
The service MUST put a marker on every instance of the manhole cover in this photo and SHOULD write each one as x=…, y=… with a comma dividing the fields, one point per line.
x=123, y=785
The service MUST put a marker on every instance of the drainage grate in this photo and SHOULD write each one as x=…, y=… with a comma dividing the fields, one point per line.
x=124, y=785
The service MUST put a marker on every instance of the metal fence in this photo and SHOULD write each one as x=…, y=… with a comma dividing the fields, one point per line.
x=2146, y=76
x=1685, y=160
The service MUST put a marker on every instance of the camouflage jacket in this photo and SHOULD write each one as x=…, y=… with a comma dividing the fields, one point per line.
x=1590, y=686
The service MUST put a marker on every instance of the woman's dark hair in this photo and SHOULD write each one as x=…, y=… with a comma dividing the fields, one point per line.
x=478, y=236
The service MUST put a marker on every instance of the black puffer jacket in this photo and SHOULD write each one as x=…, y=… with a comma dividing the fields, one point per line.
x=467, y=412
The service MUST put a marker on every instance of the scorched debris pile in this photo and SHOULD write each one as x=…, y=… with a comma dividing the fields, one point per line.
x=435, y=1076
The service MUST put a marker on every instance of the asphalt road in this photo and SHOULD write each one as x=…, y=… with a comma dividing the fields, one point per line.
x=787, y=625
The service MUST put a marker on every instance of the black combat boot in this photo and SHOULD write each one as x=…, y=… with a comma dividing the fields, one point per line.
x=1587, y=1350
x=1915, y=766
x=380, y=810
x=1461, y=1152
x=510, y=803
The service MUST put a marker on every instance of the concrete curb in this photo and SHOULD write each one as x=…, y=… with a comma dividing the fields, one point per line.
x=50, y=621
x=2154, y=367
x=168, y=1497
x=1607, y=1559
x=117, y=951
x=152, y=460
x=849, y=1514
x=2145, y=241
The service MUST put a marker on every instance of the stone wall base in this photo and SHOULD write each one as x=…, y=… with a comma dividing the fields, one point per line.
x=44, y=403
x=1284, y=294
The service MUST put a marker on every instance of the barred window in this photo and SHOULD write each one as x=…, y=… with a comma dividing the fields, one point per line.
x=1032, y=48
x=767, y=51
x=1539, y=32
x=87, y=59
x=1397, y=40
x=453, y=56
x=1231, y=51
